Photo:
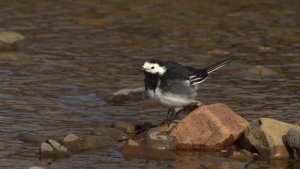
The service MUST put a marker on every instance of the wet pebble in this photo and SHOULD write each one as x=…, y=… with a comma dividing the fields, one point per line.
x=10, y=40
x=53, y=149
x=70, y=138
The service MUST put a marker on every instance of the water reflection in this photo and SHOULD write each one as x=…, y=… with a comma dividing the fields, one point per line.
x=78, y=52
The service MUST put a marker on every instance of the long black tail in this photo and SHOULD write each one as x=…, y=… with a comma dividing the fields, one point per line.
x=218, y=65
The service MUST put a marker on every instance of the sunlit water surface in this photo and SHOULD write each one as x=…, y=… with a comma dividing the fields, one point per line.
x=78, y=52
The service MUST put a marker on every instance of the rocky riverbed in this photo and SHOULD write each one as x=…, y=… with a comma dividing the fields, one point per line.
x=214, y=130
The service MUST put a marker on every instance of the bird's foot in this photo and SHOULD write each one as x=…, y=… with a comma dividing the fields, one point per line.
x=197, y=102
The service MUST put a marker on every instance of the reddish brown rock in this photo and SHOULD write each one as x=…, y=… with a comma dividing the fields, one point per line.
x=211, y=127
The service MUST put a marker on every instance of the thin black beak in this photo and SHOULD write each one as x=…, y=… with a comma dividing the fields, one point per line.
x=140, y=69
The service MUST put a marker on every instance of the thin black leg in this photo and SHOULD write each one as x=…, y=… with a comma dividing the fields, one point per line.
x=174, y=115
x=171, y=117
x=168, y=116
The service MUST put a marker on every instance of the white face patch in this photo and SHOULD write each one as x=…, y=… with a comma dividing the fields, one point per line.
x=154, y=68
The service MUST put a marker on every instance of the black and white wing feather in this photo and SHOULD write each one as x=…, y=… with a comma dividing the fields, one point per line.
x=198, y=77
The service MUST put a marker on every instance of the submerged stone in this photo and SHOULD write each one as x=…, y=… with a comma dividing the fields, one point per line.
x=126, y=127
x=116, y=134
x=31, y=138
x=96, y=142
x=123, y=95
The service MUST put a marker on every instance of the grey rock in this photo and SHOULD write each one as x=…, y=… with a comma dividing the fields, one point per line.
x=266, y=135
x=31, y=138
x=160, y=140
x=293, y=140
x=114, y=133
x=95, y=141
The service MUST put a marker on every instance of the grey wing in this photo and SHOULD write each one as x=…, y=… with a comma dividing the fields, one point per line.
x=179, y=87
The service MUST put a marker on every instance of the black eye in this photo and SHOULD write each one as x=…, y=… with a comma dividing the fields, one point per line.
x=152, y=67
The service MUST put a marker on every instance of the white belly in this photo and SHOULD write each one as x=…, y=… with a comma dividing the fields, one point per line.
x=170, y=100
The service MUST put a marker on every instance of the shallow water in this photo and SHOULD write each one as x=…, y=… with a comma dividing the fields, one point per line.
x=77, y=53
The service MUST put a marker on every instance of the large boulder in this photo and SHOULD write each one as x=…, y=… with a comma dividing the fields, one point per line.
x=267, y=136
x=211, y=127
x=293, y=140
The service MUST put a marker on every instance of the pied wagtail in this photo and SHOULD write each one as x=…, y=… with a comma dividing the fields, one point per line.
x=174, y=85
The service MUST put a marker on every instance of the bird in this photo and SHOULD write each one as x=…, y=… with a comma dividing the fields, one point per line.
x=174, y=85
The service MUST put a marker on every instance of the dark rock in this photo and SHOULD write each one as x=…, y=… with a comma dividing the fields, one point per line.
x=10, y=40
x=293, y=140
x=160, y=140
x=266, y=135
x=297, y=123
x=31, y=138
x=211, y=127
x=126, y=127
x=98, y=141
x=116, y=134
x=244, y=143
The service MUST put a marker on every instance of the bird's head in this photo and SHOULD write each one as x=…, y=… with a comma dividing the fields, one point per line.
x=154, y=67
